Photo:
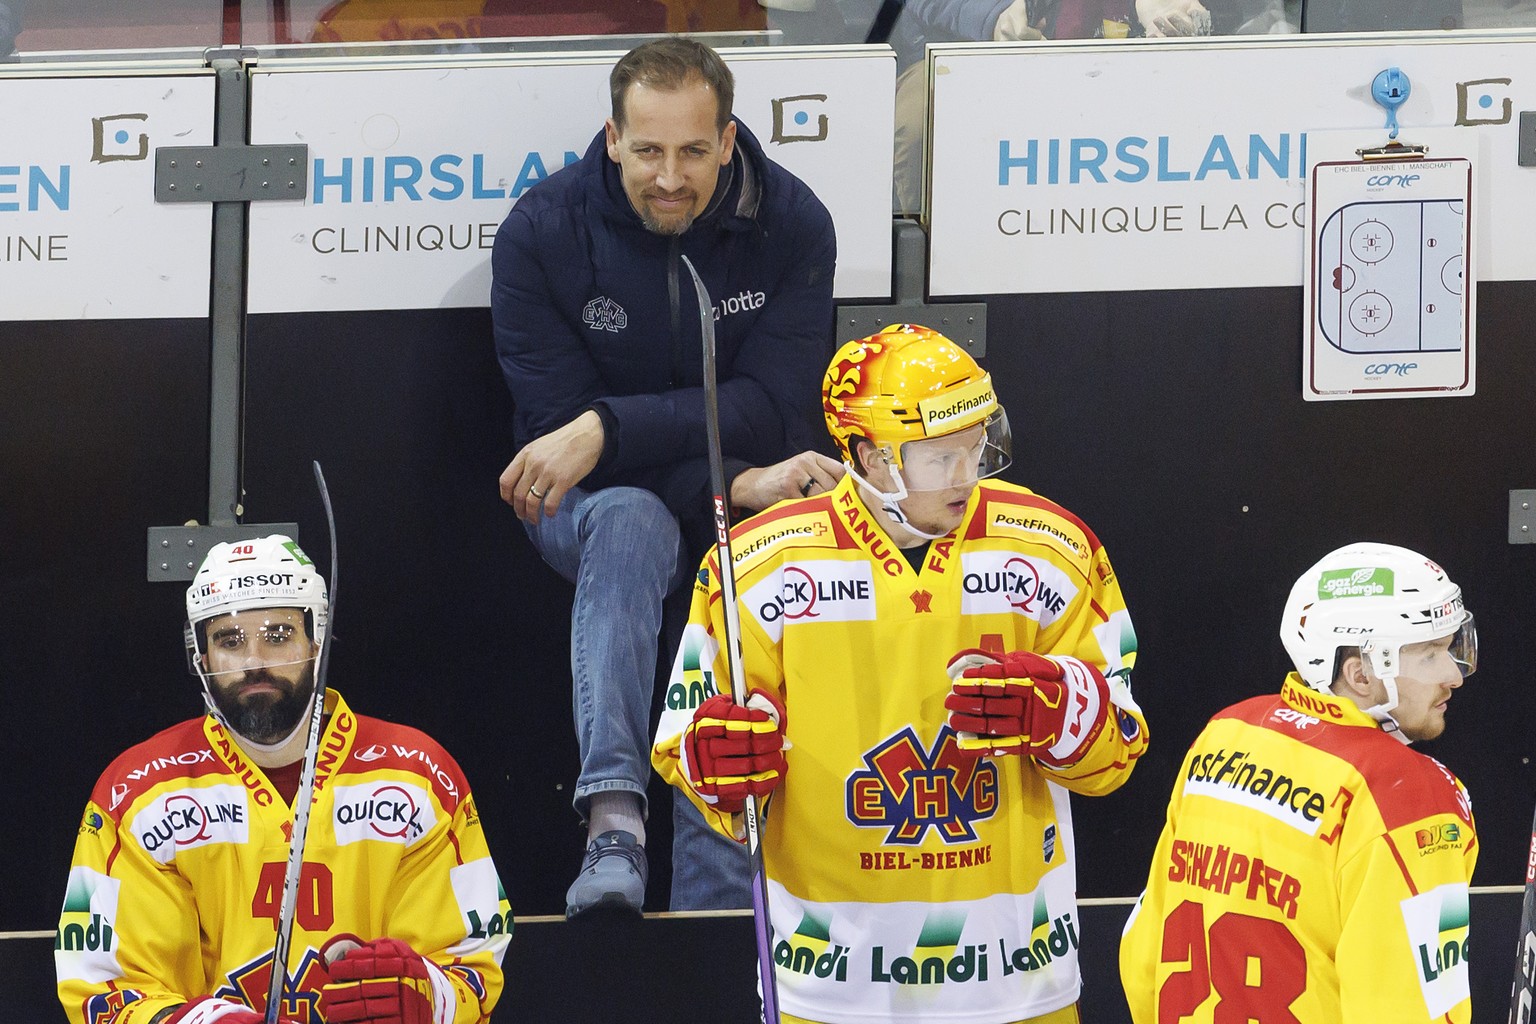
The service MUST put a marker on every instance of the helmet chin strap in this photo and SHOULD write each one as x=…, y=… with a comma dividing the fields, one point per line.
x=889, y=502
x=1382, y=712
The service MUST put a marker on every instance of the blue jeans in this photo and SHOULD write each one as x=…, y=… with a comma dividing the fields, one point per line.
x=623, y=550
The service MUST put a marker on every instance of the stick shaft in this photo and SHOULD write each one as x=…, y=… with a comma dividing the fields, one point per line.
x=731, y=640
x=305, y=795
x=1520, y=999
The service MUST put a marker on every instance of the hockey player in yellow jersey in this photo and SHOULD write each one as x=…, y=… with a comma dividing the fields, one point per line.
x=936, y=659
x=1314, y=868
x=177, y=882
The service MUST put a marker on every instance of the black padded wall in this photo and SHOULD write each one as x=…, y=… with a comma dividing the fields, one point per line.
x=103, y=433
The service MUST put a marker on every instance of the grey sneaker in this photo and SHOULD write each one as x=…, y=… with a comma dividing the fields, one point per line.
x=612, y=876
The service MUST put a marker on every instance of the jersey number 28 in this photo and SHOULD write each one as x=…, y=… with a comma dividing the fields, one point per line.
x=1258, y=968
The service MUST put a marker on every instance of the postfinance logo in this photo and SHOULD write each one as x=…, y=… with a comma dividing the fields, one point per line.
x=908, y=789
x=1437, y=934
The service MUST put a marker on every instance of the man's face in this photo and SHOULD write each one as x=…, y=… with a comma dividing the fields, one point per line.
x=261, y=670
x=1427, y=676
x=939, y=473
x=669, y=153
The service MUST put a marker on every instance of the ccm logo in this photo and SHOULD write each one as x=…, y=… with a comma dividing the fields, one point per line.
x=1400, y=180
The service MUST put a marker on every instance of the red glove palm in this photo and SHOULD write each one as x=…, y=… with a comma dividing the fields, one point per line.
x=380, y=982
x=1024, y=703
x=208, y=1010
x=731, y=750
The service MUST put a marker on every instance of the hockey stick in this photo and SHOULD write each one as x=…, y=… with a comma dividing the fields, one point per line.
x=1525, y=950
x=762, y=927
x=306, y=791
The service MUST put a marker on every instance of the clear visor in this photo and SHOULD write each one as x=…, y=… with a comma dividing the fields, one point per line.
x=960, y=459
x=253, y=640
x=1463, y=649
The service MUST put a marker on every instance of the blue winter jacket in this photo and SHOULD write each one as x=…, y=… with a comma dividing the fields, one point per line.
x=593, y=311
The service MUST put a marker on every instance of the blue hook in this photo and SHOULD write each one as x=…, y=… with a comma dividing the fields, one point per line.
x=1391, y=88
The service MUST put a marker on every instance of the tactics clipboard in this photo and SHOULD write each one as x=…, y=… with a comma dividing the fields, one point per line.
x=1389, y=292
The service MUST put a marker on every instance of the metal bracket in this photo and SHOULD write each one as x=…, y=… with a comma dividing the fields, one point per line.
x=1522, y=517
x=175, y=552
x=1525, y=151
x=964, y=323
x=224, y=174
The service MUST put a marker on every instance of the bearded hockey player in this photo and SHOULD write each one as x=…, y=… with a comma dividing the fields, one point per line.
x=177, y=880
x=1314, y=867
x=918, y=838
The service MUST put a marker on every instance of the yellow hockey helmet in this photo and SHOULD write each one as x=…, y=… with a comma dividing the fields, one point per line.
x=904, y=384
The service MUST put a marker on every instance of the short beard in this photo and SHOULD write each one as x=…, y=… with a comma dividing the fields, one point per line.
x=265, y=718
x=656, y=227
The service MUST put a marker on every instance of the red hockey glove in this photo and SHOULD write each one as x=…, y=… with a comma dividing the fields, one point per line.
x=731, y=750
x=208, y=1010
x=381, y=982
x=1025, y=703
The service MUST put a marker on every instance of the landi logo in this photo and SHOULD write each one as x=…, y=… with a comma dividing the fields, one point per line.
x=1370, y=582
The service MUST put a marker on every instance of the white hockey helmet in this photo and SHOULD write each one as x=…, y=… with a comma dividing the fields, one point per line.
x=264, y=572
x=1377, y=597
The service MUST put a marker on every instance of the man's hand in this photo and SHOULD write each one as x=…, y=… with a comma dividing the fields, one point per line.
x=1013, y=24
x=730, y=751
x=1024, y=703
x=798, y=476
x=379, y=982
x=208, y=1010
x=537, y=478
x=1173, y=18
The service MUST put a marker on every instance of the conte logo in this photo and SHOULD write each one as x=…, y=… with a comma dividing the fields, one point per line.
x=908, y=789
x=1368, y=582
x=382, y=811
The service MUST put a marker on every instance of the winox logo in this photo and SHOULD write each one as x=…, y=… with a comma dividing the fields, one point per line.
x=908, y=789
x=813, y=591
x=189, y=818
x=1368, y=582
x=1000, y=581
x=382, y=811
